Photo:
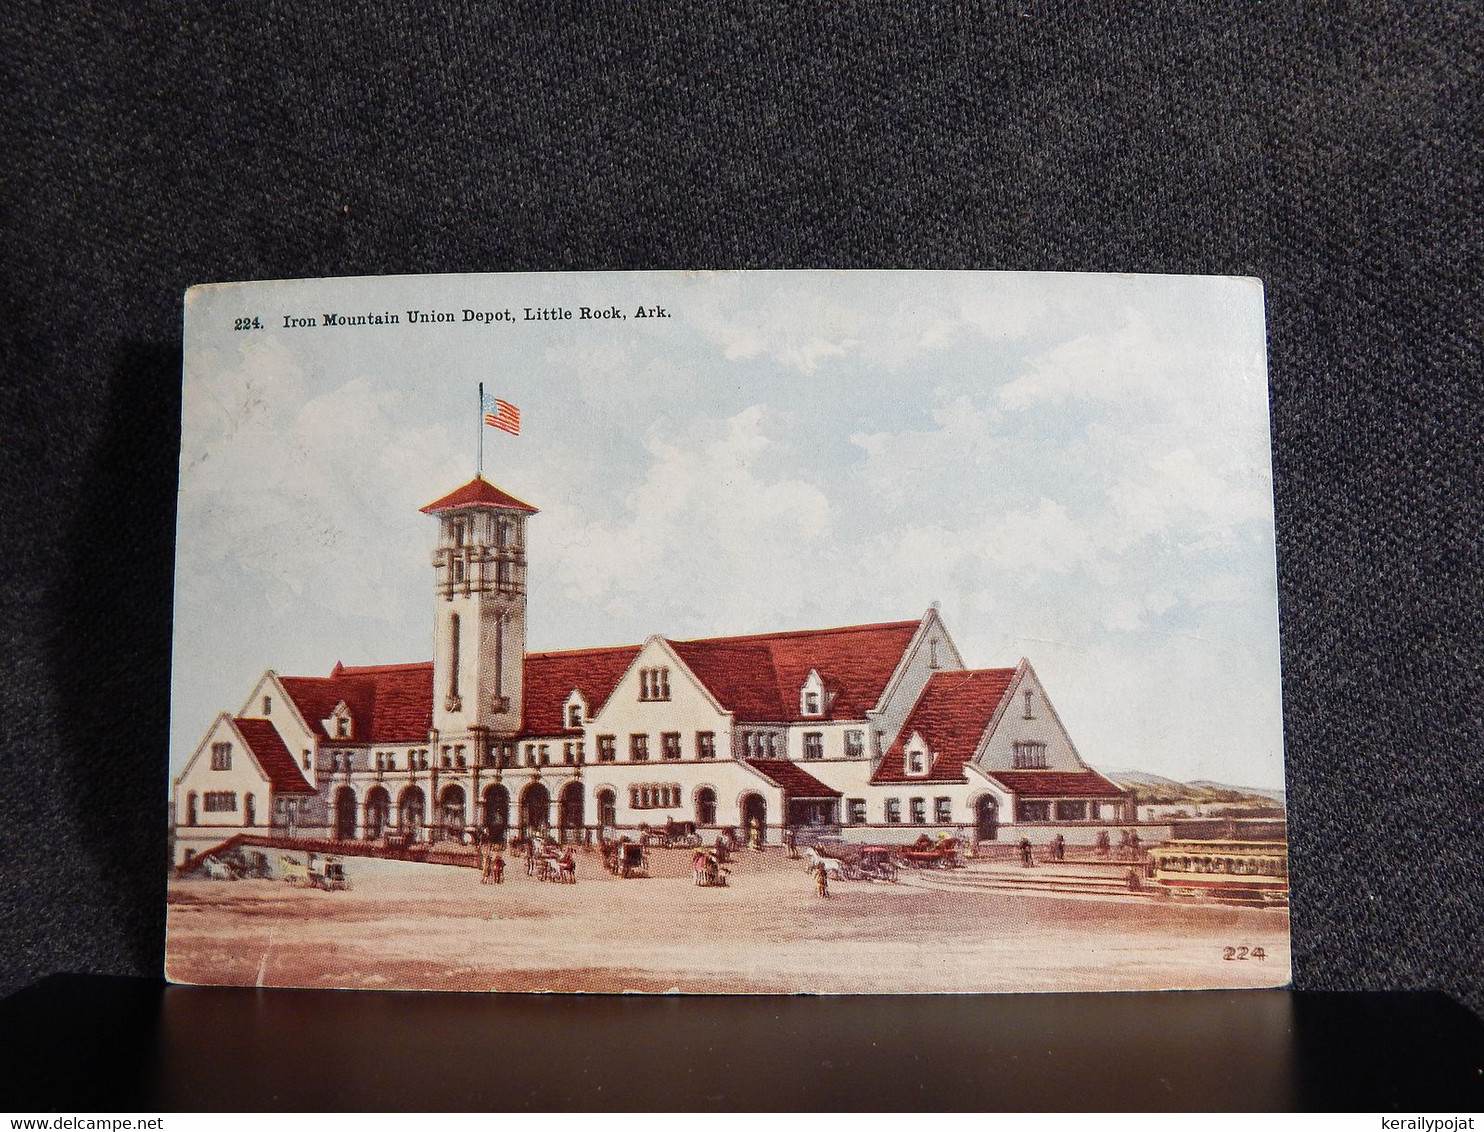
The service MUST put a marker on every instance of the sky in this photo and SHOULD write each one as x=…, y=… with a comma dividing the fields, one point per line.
x=1075, y=467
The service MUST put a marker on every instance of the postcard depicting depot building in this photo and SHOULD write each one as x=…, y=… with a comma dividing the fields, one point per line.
x=744, y=632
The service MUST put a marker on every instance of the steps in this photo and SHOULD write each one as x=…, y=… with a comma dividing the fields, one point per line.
x=1042, y=880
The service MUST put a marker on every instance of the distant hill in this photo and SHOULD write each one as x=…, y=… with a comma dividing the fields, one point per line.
x=1154, y=789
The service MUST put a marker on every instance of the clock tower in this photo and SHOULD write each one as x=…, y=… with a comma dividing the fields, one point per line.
x=479, y=615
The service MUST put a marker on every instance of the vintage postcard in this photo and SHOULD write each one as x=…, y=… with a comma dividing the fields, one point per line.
x=757, y=632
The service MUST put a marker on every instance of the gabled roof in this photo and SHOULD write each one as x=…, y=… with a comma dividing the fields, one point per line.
x=267, y=747
x=795, y=780
x=551, y=676
x=1057, y=783
x=758, y=677
x=478, y=492
x=951, y=715
x=388, y=703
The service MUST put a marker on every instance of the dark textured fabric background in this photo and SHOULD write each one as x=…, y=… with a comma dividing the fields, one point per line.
x=1330, y=149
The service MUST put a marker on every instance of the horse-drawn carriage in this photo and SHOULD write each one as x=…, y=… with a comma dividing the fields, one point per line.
x=332, y=877
x=927, y=854
x=626, y=859
x=672, y=835
x=218, y=869
x=874, y=862
x=307, y=873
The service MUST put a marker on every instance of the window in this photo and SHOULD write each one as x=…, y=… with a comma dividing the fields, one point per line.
x=457, y=532
x=654, y=683
x=813, y=745
x=502, y=574
x=458, y=570
x=942, y=810
x=453, y=657
x=880, y=743
x=391, y=760
x=634, y=798
x=502, y=532
x=574, y=715
x=855, y=811
x=422, y=759
x=855, y=744
x=380, y=760
x=219, y=801
x=567, y=756
x=342, y=727
x=1032, y=811
x=1029, y=755
x=306, y=758
x=267, y=705
x=639, y=748
x=1029, y=698
x=221, y=756
x=706, y=746
x=1071, y=811
x=530, y=754
x=607, y=752
x=334, y=761
x=933, y=653
x=545, y=753
x=706, y=806
x=894, y=810
x=811, y=703
x=916, y=763
x=919, y=811
x=670, y=745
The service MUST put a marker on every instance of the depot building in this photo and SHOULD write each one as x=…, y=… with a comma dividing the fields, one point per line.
x=873, y=733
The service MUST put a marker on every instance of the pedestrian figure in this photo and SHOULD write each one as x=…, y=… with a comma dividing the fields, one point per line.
x=530, y=856
x=821, y=880
x=497, y=867
x=755, y=835
x=1027, y=857
x=1103, y=842
x=791, y=843
x=1058, y=848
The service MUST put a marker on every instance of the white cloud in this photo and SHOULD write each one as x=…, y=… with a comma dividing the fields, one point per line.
x=710, y=522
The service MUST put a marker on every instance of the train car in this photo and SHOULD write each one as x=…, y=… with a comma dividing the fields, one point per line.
x=1240, y=872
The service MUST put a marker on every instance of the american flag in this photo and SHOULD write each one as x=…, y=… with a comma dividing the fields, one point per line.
x=501, y=414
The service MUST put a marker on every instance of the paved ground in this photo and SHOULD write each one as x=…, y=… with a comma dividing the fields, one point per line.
x=429, y=926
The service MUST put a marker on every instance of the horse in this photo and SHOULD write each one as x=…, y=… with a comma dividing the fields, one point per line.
x=817, y=860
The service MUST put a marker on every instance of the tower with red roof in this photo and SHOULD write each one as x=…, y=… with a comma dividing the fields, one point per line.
x=479, y=614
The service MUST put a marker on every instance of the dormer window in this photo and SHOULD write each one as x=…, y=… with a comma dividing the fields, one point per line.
x=915, y=756
x=812, y=698
x=267, y=705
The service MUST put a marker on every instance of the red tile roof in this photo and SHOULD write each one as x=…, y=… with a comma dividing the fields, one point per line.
x=951, y=714
x=393, y=703
x=758, y=677
x=389, y=703
x=1057, y=783
x=551, y=676
x=795, y=780
x=267, y=747
x=478, y=492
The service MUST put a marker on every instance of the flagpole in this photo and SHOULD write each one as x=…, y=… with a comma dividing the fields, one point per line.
x=479, y=468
